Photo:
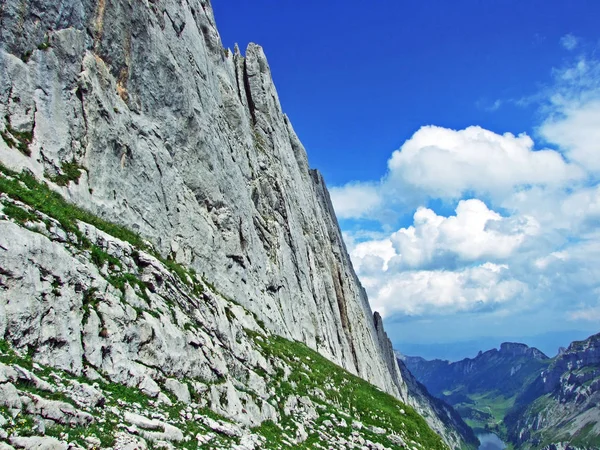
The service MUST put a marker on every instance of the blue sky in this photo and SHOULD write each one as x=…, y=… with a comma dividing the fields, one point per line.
x=458, y=231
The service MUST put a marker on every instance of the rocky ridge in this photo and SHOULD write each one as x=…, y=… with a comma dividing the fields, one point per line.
x=135, y=112
x=120, y=348
x=185, y=143
x=560, y=408
x=447, y=421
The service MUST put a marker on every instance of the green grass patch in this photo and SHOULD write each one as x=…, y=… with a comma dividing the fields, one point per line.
x=70, y=171
x=18, y=214
x=364, y=401
x=100, y=257
x=45, y=45
x=586, y=437
x=27, y=189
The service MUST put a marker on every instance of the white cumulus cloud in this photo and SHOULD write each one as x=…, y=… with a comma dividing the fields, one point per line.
x=447, y=163
x=588, y=314
x=475, y=232
x=412, y=263
x=577, y=131
x=355, y=199
x=525, y=234
x=433, y=292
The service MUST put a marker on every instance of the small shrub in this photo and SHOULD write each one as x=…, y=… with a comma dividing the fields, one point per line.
x=26, y=55
x=100, y=257
x=18, y=214
x=71, y=171
x=43, y=46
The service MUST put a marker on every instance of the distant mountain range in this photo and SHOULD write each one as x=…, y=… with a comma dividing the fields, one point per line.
x=548, y=343
x=530, y=400
x=562, y=405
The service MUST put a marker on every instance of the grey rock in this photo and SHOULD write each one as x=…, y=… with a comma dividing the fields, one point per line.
x=57, y=411
x=84, y=394
x=39, y=426
x=570, y=389
x=30, y=378
x=93, y=375
x=357, y=425
x=228, y=429
x=187, y=145
x=93, y=441
x=249, y=442
x=396, y=440
x=125, y=441
x=149, y=387
x=162, y=398
x=377, y=430
x=9, y=396
x=178, y=389
x=165, y=133
x=7, y=373
x=441, y=417
x=153, y=429
x=38, y=443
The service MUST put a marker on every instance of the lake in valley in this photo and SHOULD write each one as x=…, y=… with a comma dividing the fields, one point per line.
x=490, y=441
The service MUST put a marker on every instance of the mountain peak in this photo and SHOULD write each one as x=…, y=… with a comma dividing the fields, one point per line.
x=516, y=349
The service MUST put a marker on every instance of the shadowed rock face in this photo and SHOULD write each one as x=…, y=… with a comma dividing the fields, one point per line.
x=445, y=419
x=503, y=371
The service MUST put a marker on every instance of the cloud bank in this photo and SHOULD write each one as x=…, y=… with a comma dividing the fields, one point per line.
x=524, y=233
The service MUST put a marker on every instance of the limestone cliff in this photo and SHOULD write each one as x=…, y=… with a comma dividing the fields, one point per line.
x=135, y=112
x=186, y=143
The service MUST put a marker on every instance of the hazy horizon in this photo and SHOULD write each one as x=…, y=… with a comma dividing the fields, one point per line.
x=548, y=344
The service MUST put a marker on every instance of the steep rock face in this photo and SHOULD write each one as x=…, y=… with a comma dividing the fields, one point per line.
x=187, y=144
x=105, y=344
x=559, y=409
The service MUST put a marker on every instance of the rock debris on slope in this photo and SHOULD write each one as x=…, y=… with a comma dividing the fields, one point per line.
x=135, y=112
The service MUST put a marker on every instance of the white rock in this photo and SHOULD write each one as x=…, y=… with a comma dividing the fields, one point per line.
x=178, y=389
x=38, y=443
x=162, y=398
x=225, y=428
x=9, y=396
x=7, y=373
x=61, y=412
x=85, y=395
x=125, y=441
x=154, y=429
x=149, y=387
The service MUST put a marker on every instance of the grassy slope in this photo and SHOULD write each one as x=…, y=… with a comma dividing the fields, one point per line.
x=344, y=394
x=363, y=401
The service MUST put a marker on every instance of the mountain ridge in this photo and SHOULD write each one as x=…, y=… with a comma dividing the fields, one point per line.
x=561, y=406
x=532, y=401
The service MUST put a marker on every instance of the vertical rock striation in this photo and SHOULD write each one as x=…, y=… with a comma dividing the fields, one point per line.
x=134, y=111
x=186, y=143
